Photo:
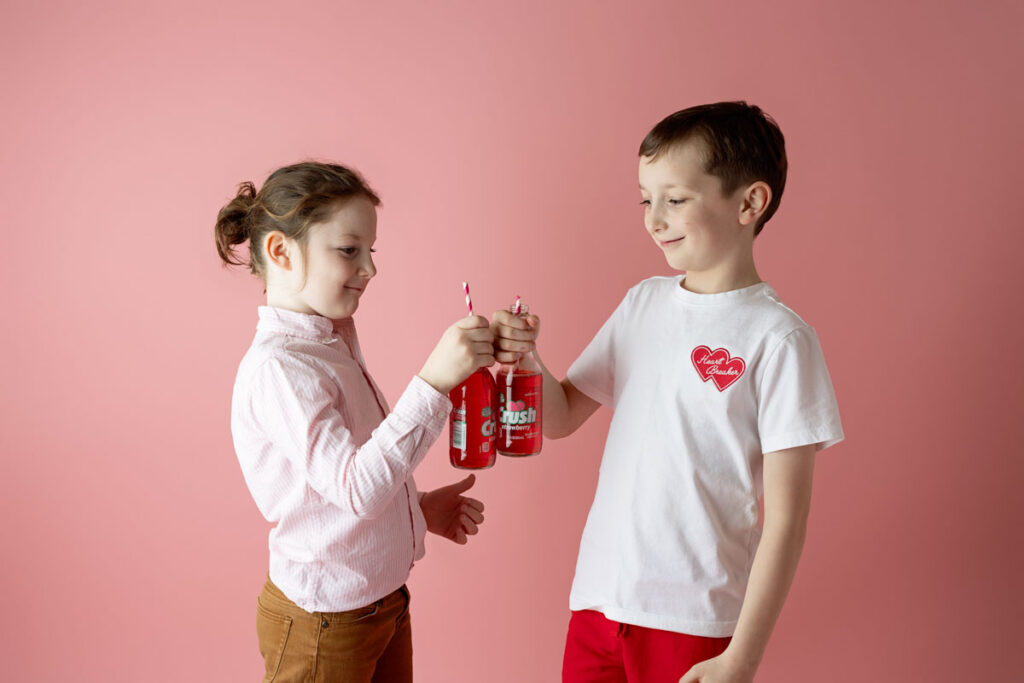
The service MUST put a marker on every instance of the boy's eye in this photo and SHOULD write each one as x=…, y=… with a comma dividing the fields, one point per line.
x=645, y=202
x=676, y=202
x=348, y=251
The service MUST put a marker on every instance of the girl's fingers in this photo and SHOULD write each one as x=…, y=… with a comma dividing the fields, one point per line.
x=468, y=525
x=472, y=514
x=482, y=338
x=473, y=503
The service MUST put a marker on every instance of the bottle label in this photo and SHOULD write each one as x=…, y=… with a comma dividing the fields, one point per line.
x=459, y=436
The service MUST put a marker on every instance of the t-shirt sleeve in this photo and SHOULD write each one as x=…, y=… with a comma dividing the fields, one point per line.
x=796, y=403
x=593, y=372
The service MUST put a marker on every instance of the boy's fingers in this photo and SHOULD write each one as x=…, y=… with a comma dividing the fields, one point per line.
x=515, y=346
x=516, y=333
x=505, y=318
x=474, y=515
x=474, y=504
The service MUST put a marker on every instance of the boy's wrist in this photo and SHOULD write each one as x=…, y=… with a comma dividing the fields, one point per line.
x=740, y=659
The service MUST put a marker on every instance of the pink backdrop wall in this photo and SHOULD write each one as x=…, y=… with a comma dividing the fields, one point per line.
x=502, y=139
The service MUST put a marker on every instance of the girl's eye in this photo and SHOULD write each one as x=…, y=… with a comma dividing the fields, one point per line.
x=645, y=202
x=348, y=251
x=373, y=251
x=676, y=202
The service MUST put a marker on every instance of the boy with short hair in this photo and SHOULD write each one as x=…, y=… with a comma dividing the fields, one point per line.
x=720, y=394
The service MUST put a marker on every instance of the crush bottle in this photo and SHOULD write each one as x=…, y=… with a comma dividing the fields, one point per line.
x=472, y=424
x=520, y=389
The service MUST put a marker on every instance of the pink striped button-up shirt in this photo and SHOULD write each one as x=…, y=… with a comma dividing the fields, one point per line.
x=328, y=464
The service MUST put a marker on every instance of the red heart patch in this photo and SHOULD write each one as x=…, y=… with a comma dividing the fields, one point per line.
x=717, y=366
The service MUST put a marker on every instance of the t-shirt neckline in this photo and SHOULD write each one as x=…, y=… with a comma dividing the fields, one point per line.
x=718, y=298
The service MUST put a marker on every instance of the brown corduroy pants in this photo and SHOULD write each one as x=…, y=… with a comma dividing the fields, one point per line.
x=372, y=644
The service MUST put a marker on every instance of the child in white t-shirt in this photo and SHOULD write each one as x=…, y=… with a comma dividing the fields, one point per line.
x=720, y=395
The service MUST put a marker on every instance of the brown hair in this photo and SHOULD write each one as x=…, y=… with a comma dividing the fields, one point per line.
x=292, y=199
x=742, y=145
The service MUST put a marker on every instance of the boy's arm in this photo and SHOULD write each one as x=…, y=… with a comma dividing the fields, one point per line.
x=787, y=502
x=565, y=406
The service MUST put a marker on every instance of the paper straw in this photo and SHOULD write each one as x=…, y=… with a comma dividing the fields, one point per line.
x=469, y=302
x=516, y=306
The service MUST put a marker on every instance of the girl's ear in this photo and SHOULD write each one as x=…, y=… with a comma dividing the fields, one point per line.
x=277, y=250
x=756, y=199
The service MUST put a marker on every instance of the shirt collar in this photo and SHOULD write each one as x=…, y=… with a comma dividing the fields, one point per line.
x=303, y=325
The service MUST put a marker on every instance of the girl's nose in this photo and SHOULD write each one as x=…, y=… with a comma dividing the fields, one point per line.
x=367, y=269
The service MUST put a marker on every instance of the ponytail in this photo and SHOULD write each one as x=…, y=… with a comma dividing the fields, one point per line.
x=232, y=226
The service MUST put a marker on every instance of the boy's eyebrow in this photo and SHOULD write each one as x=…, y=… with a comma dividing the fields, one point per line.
x=671, y=186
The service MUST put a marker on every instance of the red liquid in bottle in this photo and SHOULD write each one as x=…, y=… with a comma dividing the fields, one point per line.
x=519, y=410
x=472, y=424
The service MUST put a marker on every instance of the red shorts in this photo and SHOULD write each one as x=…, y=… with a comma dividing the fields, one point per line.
x=597, y=649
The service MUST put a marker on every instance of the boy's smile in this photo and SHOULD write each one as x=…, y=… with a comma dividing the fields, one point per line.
x=697, y=227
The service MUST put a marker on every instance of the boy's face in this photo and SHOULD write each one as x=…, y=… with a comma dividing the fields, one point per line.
x=692, y=222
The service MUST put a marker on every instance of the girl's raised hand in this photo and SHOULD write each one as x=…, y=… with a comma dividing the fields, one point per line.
x=513, y=335
x=464, y=347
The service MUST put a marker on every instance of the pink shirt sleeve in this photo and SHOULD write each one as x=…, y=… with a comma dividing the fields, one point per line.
x=297, y=402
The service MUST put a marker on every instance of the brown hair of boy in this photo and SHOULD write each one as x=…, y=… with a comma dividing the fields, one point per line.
x=741, y=145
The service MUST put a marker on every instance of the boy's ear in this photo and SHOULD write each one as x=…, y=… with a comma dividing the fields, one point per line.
x=755, y=201
x=277, y=250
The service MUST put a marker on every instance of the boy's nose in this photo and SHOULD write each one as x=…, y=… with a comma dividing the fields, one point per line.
x=653, y=220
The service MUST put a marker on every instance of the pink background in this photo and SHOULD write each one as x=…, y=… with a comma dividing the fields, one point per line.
x=502, y=139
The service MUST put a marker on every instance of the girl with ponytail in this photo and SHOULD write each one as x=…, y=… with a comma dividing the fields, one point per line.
x=325, y=459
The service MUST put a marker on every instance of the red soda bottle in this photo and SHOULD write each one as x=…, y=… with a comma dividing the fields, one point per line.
x=520, y=388
x=472, y=423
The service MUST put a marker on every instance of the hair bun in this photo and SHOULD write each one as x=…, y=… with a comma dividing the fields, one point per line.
x=232, y=227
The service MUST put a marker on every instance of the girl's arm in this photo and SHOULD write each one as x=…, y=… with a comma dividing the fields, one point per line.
x=787, y=502
x=566, y=408
x=296, y=404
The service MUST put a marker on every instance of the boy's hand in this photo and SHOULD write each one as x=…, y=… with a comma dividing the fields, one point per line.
x=718, y=669
x=450, y=514
x=513, y=335
x=464, y=347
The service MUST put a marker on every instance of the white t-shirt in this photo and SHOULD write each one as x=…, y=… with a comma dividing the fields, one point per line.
x=702, y=385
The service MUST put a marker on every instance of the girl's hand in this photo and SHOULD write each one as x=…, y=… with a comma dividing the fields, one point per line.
x=464, y=347
x=718, y=669
x=450, y=514
x=513, y=335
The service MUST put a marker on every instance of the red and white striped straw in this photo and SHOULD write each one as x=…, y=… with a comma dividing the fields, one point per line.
x=469, y=302
x=516, y=306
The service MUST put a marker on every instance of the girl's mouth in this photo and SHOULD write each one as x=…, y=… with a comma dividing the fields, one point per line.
x=665, y=243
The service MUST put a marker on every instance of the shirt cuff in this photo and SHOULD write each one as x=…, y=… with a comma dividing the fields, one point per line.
x=424, y=405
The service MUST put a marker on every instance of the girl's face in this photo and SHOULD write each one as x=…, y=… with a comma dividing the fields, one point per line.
x=338, y=261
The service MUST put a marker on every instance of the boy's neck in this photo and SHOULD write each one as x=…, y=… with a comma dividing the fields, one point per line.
x=721, y=280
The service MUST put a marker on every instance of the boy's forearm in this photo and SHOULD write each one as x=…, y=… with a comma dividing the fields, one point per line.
x=556, y=405
x=770, y=579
